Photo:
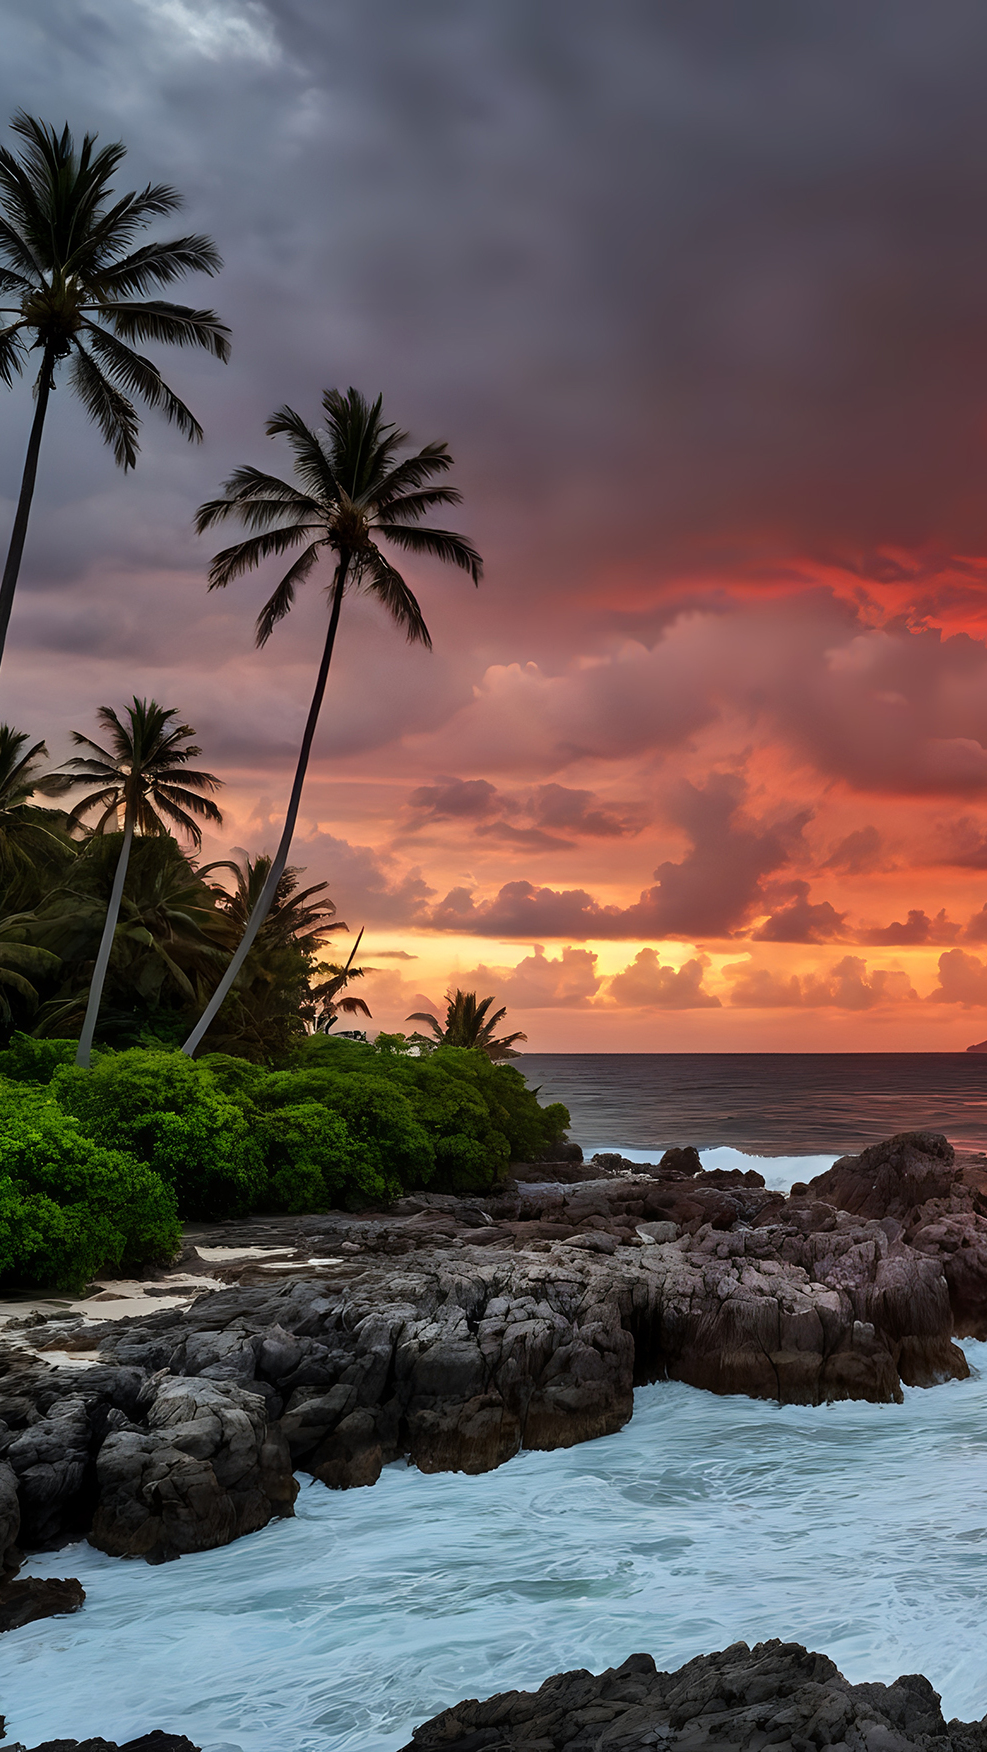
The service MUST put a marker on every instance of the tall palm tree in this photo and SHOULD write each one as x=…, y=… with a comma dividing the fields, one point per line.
x=144, y=776
x=33, y=840
x=467, y=1024
x=350, y=487
x=79, y=292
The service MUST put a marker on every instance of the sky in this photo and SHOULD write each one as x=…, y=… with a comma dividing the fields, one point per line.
x=697, y=295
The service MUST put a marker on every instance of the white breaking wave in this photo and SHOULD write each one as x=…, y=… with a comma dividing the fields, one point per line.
x=780, y=1172
x=856, y=1529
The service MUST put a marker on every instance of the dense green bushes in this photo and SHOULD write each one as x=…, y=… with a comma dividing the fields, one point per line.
x=164, y=1109
x=69, y=1206
x=94, y=1165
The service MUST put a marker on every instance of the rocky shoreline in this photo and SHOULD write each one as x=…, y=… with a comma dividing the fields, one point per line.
x=457, y=1332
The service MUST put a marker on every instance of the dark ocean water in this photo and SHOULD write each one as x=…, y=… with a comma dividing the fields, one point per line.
x=767, y=1104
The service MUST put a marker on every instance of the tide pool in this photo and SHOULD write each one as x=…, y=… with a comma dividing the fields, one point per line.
x=859, y=1530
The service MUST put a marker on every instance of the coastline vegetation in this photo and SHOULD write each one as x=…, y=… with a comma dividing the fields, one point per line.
x=101, y=1165
x=164, y=1038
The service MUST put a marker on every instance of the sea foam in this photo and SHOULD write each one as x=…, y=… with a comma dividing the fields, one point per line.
x=860, y=1530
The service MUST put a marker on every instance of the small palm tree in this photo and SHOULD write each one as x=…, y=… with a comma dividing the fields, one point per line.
x=467, y=1024
x=79, y=292
x=33, y=840
x=143, y=776
x=327, y=995
x=350, y=490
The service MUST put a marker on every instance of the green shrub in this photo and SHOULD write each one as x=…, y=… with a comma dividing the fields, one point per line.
x=27, y=1060
x=69, y=1206
x=170, y=1113
x=314, y=1163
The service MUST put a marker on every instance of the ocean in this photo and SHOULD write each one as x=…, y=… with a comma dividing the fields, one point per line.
x=762, y=1104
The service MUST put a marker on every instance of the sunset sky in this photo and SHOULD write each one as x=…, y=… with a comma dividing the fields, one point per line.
x=697, y=294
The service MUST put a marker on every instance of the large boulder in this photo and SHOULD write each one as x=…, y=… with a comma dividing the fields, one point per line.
x=776, y=1694
x=207, y=1469
x=890, y=1179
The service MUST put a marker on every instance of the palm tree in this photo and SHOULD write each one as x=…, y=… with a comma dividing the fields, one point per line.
x=80, y=294
x=467, y=1024
x=327, y=995
x=144, y=775
x=33, y=840
x=349, y=488
x=272, y=999
x=169, y=942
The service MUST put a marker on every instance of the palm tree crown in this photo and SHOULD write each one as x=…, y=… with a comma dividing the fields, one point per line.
x=144, y=773
x=467, y=1024
x=66, y=259
x=350, y=487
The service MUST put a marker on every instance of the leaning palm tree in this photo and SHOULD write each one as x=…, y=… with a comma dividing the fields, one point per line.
x=79, y=292
x=144, y=778
x=467, y=1024
x=350, y=490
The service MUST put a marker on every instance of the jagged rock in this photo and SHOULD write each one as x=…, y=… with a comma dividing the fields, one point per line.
x=891, y=1178
x=776, y=1694
x=21, y=1602
x=207, y=1469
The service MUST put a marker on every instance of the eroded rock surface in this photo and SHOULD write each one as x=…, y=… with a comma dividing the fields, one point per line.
x=776, y=1694
x=457, y=1331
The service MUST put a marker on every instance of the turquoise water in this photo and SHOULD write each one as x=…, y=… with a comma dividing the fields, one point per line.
x=860, y=1530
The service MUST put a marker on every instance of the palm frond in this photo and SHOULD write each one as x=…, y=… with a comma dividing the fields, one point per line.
x=313, y=465
x=156, y=264
x=15, y=283
x=379, y=578
x=16, y=250
x=279, y=604
x=408, y=507
x=12, y=352
x=233, y=561
x=444, y=544
x=107, y=407
x=256, y=499
x=183, y=798
x=142, y=378
x=411, y=473
x=177, y=324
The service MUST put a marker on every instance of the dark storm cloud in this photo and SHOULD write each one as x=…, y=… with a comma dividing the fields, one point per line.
x=717, y=269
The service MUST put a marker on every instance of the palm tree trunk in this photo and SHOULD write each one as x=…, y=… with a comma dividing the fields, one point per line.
x=19, y=532
x=280, y=859
x=98, y=980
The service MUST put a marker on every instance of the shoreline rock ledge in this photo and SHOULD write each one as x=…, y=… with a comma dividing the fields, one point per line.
x=775, y=1695
x=457, y=1333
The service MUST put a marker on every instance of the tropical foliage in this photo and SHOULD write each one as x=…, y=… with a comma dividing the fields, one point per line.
x=76, y=289
x=175, y=923
x=142, y=782
x=146, y=1133
x=467, y=1024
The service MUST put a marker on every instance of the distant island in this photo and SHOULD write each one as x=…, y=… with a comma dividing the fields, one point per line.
x=981, y=1046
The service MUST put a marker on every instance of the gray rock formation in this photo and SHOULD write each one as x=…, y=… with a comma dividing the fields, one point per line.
x=740, y=1700
x=458, y=1331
